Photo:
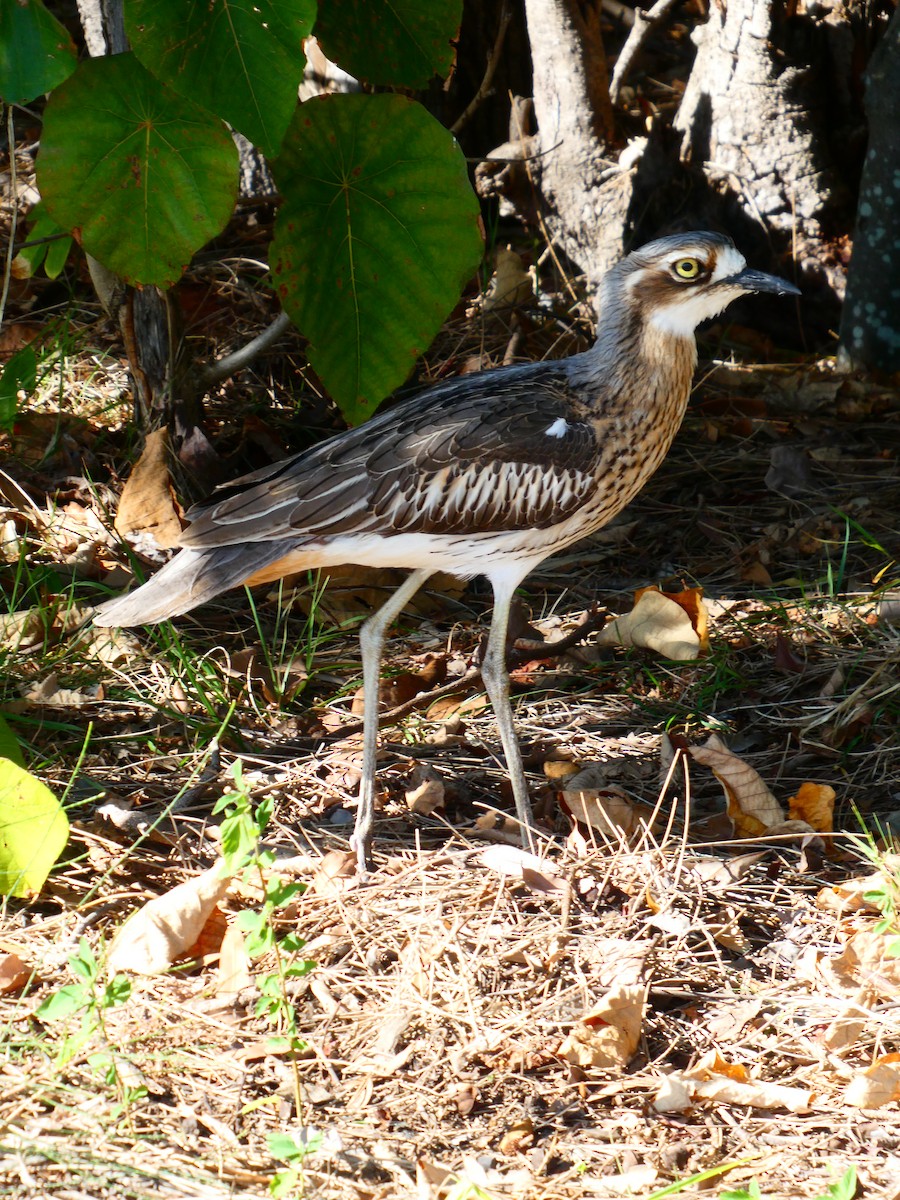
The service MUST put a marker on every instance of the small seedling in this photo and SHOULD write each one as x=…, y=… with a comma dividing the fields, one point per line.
x=92, y=998
x=241, y=832
x=292, y=1149
x=885, y=892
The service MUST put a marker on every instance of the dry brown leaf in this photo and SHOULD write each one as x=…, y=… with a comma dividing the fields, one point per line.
x=691, y=600
x=656, y=623
x=510, y=283
x=334, y=875
x=727, y=932
x=518, y=1137
x=609, y=1034
x=755, y=572
x=814, y=803
x=48, y=693
x=673, y=1094
x=424, y=790
x=877, y=1085
x=753, y=1095
x=234, y=973
x=850, y=895
x=208, y=942
x=147, y=508
x=751, y=806
x=847, y=1027
x=590, y=799
x=166, y=927
x=866, y=961
x=13, y=972
x=713, y=1064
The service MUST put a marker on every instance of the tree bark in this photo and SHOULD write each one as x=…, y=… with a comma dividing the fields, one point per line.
x=760, y=116
x=870, y=321
x=582, y=191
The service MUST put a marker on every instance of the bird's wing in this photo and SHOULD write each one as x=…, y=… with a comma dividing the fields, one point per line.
x=500, y=450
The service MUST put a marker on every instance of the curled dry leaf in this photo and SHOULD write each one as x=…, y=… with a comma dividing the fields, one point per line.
x=715, y=1078
x=847, y=1027
x=657, y=622
x=424, y=790
x=589, y=798
x=673, y=1095
x=13, y=972
x=147, y=510
x=850, y=895
x=609, y=1034
x=814, y=803
x=166, y=927
x=234, y=972
x=751, y=806
x=334, y=875
x=867, y=960
x=754, y=1095
x=713, y=1064
x=517, y=1137
x=728, y=933
x=48, y=693
x=510, y=285
x=877, y=1085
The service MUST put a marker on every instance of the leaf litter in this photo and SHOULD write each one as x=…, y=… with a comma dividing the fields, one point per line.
x=681, y=985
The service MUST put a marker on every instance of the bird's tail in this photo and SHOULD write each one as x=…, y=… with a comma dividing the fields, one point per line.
x=190, y=578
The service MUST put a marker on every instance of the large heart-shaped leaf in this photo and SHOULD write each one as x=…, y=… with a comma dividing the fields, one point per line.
x=377, y=235
x=33, y=831
x=36, y=52
x=242, y=59
x=399, y=42
x=142, y=176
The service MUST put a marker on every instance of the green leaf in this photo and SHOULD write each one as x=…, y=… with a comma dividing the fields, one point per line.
x=401, y=42
x=378, y=232
x=844, y=1188
x=36, y=52
x=117, y=991
x=53, y=251
x=19, y=375
x=143, y=177
x=9, y=744
x=68, y=1000
x=33, y=831
x=295, y=1147
x=241, y=59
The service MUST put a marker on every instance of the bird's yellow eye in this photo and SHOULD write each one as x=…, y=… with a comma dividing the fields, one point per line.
x=687, y=268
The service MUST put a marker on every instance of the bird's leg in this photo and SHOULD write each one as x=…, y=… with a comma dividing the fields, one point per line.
x=496, y=680
x=371, y=641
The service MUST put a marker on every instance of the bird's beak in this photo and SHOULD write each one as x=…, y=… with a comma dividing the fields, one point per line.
x=759, y=281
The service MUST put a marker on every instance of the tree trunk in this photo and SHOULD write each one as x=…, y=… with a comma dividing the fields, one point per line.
x=870, y=322
x=768, y=100
x=582, y=191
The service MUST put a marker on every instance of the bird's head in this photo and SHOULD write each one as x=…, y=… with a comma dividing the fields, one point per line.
x=676, y=282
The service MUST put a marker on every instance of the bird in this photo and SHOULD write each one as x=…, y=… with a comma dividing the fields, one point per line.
x=486, y=474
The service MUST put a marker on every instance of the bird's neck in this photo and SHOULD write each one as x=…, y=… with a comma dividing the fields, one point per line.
x=639, y=364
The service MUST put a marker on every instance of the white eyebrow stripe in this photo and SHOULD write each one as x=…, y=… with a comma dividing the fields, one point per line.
x=729, y=262
x=558, y=429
